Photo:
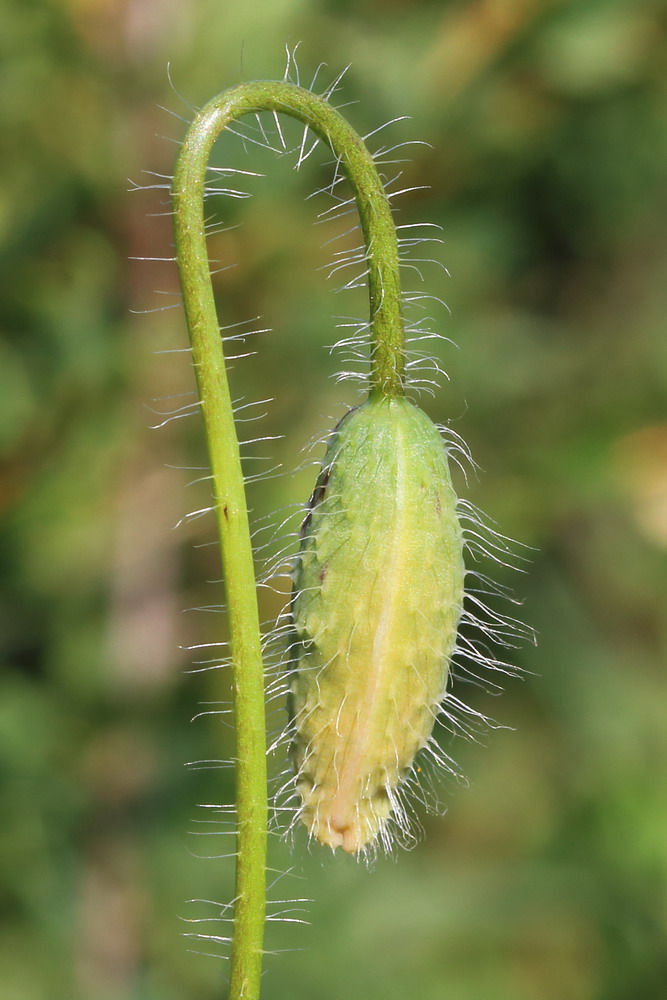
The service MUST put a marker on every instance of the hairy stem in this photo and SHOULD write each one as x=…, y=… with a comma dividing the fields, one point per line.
x=387, y=364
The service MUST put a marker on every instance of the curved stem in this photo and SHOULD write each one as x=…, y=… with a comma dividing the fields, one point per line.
x=387, y=364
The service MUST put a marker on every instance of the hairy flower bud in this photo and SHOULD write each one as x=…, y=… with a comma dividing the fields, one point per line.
x=378, y=593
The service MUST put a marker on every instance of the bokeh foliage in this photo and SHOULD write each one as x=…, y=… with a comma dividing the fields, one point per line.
x=547, y=879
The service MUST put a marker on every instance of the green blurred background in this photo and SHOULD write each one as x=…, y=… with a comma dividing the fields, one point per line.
x=547, y=878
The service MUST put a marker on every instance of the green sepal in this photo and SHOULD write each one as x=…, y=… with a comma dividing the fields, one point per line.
x=378, y=594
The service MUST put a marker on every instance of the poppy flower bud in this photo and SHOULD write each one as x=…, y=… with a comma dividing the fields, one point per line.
x=378, y=594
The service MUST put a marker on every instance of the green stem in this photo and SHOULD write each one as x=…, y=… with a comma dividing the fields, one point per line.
x=387, y=365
